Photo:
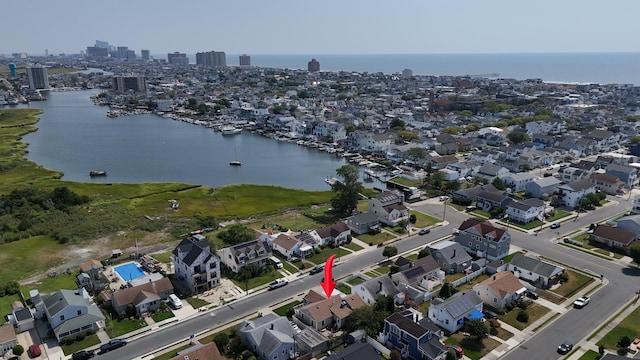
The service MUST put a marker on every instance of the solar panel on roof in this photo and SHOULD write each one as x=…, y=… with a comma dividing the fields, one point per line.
x=413, y=272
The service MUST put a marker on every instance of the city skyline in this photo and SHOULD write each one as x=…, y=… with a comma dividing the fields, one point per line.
x=330, y=27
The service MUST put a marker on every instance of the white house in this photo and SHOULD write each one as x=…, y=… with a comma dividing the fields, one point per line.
x=540, y=273
x=518, y=181
x=372, y=289
x=569, y=194
x=500, y=289
x=526, y=211
x=289, y=246
x=389, y=207
x=452, y=313
x=196, y=268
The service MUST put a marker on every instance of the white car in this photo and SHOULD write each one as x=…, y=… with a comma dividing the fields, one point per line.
x=278, y=283
x=581, y=302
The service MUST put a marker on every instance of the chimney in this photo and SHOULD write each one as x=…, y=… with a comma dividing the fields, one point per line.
x=454, y=253
x=271, y=327
x=494, y=277
x=380, y=286
x=416, y=318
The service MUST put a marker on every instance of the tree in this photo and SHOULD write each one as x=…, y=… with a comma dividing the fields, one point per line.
x=236, y=234
x=451, y=354
x=367, y=319
x=523, y=316
x=221, y=340
x=417, y=152
x=413, y=218
x=18, y=350
x=477, y=328
x=451, y=130
x=518, y=137
x=499, y=183
x=624, y=341
x=346, y=190
x=634, y=252
x=447, y=290
x=424, y=253
x=397, y=124
x=407, y=136
x=395, y=355
x=389, y=251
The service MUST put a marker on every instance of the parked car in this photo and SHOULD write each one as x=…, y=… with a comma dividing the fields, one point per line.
x=555, y=225
x=424, y=231
x=278, y=283
x=531, y=294
x=34, y=350
x=83, y=355
x=444, y=198
x=489, y=314
x=316, y=269
x=581, y=302
x=456, y=348
x=112, y=345
x=565, y=347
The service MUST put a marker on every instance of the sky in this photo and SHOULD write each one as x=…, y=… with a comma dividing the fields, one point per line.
x=322, y=26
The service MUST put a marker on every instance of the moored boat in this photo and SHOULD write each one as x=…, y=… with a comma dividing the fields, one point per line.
x=230, y=130
x=95, y=173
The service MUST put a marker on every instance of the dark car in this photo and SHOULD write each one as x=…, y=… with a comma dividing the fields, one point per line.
x=531, y=294
x=316, y=269
x=112, y=345
x=565, y=347
x=34, y=350
x=489, y=314
x=83, y=355
x=424, y=231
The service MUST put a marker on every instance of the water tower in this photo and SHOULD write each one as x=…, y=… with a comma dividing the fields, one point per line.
x=12, y=70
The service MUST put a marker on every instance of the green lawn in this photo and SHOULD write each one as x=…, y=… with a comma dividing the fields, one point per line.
x=590, y=355
x=424, y=220
x=163, y=257
x=353, y=247
x=196, y=302
x=282, y=310
x=290, y=268
x=532, y=225
x=163, y=315
x=355, y=281
x=88, y=341
x=376, y=239
x=536, y=311
x=322, y=257
x=117, y=327
x=575, y=282
x=559, y=214
x=473, y=349
x=5, y=304
x=52, y=284
x=257, y=281
x=344, y=288
x=629, y=326
x=383, y=269
x=372, y=274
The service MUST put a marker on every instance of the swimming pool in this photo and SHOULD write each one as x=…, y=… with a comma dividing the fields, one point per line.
x=129, y=271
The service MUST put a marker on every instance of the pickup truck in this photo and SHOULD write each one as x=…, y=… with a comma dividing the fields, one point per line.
x=112, y=345
x=278, y=283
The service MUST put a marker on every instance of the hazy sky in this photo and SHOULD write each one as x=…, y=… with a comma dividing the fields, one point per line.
x=322, y=26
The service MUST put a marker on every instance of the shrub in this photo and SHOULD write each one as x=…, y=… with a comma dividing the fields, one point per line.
x=18, y=350
x=624, y=341
x=523, y=316
x=80, y=337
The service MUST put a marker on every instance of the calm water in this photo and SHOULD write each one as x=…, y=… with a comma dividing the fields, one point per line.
x=601, y=68
x=76, y=137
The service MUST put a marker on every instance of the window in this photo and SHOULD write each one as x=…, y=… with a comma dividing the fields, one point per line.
x=61, y=317
x=79, y=312
x=447, y=321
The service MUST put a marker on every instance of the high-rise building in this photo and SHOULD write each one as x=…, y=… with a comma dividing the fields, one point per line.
x=102, y=44
x=97, y=52
x=407, y=73
x=124, y=83
x=38, y=77
x=131, y=54
x=211, y=58
x=12, y=70
x=145, y=55
x=177, y=58
x=245, y=60
x=313, y=65
x=121, y=52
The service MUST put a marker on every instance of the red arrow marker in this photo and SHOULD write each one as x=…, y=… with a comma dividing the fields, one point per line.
x=327, y=283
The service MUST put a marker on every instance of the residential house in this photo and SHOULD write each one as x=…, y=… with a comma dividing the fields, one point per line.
x=518, y=181
x=8, y=339
x=289, y=247
x=363, y=223
x=609, y=184
x=145, y=298
x=256, y=252
x=403, y=332
x=196, y=268
x=553, y=127
x=21, y=317
x=542, y=188
x=541, y=274
x=311, y=342
x=630, y=223
x=612, y=236
x=451, y=314
x=628, y=174
x=424, y=272
x=483, y=239
x=635, y=205
x=451, y=256
x=491, y=171
x=526, y=211
x=569, y=194
x=370, y=290
x=441, y=162
x=389, y=207
x=500, y=289
x=91, y=276
x=269, y=336
x=470, y=194
x=330, y=313
x=487, y=201
x=69, y=312
x=200, y=352
x=338, y=233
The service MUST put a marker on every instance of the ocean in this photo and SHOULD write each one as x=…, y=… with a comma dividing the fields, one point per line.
x=600, y=68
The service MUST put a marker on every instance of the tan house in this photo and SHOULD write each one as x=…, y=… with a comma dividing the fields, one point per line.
x=145, y=298
x=500, y=289
x=289, y=246
x=329, y=313
x=8, y=339
x=609, y=184
x=205, y=352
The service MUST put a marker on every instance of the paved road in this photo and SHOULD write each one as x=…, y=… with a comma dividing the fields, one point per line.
x=574, y=322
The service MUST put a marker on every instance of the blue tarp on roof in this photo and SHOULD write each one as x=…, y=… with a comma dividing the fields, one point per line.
x=475, y=314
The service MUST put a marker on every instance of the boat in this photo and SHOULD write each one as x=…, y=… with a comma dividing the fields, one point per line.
x=235, y=162
x=330, y=180
x=95, y=173
x=230, y=130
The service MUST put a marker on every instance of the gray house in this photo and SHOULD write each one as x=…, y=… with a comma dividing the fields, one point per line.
x=269, y=336
x=451, y=256
x=362, y=223
x=542, y=188
x=630, y=223
x=487, y=201
x=484, y=239
x=539, y=273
